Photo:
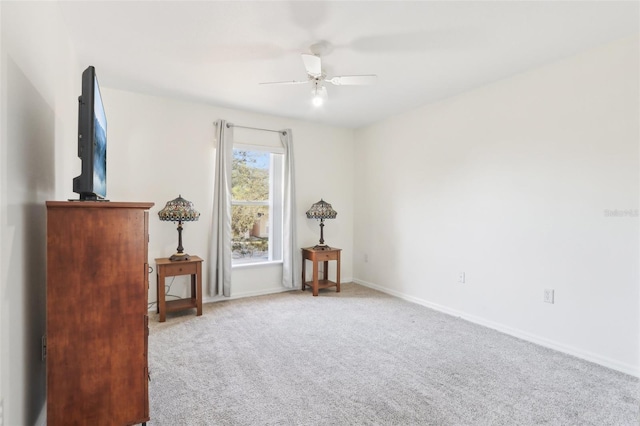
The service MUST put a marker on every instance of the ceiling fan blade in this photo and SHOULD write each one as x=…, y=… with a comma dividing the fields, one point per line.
x=286, y=82
x=313, y=64
x=352, y=80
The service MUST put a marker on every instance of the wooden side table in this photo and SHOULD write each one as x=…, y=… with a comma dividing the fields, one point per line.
x=167, y=268
x=316, y=256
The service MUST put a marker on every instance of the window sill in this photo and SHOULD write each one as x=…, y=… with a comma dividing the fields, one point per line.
x=256, y=264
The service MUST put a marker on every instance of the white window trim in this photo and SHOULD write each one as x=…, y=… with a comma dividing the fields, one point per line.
x=250, y=203
x=254, y=264
x=264, y=148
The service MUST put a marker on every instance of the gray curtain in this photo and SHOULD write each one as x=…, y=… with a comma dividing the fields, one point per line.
x=220, y=260
x=291, y=263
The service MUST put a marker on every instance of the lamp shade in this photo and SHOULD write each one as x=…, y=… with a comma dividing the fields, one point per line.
x=179, y=210
x=321, y=210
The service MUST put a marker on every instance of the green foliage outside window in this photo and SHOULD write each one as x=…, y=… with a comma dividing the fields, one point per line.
x=249, y=182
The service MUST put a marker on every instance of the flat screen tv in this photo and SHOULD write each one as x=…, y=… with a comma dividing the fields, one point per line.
x=92, y=140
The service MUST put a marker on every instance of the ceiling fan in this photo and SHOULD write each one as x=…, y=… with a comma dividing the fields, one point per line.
x=317, y=77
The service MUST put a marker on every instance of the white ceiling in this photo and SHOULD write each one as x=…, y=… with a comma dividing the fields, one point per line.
x=218, y=52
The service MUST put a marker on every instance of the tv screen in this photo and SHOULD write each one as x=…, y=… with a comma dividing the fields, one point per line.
x=92, y=140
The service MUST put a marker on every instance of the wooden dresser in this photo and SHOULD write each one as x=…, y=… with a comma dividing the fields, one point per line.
x=97, y=315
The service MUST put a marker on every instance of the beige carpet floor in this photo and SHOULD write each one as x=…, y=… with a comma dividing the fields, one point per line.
x=361, y=357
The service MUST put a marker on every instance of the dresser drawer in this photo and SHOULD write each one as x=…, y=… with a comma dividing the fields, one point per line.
x=331, y=255
x=178, y=268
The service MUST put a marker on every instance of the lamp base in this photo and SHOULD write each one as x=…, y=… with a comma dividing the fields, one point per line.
x=179, y=256
x=321, y=247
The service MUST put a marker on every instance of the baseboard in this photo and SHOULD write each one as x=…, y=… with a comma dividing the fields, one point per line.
x=542, y=341
x=254, y=293
x=249, y=294
x=260, y=292
x=263, y=292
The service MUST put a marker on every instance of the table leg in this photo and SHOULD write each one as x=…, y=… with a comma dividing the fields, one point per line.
x=304, y=266
x=315, y=277
x=338, y=274
x=196, y=286
x=161, y=298
x=193, y=286
x=325, y=270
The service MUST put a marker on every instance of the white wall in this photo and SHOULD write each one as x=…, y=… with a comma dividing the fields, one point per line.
x=159, y=148
x=510, y=183
x=37, y=115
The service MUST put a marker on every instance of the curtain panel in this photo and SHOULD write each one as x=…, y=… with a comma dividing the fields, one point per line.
x=291, y=263
x=220, y=253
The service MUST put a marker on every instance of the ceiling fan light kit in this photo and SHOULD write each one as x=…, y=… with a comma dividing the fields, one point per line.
x=319, y=93
x=316, y=77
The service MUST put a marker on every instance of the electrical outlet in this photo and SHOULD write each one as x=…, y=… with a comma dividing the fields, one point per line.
x=461, y=277
x=548, y=295
x=366, y=258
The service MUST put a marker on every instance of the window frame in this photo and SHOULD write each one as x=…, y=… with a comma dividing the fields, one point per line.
x=275, y=203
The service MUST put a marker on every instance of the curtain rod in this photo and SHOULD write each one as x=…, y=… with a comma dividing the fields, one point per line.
x=256, y=128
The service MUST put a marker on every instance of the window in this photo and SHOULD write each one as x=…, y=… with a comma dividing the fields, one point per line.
x=256, y=204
